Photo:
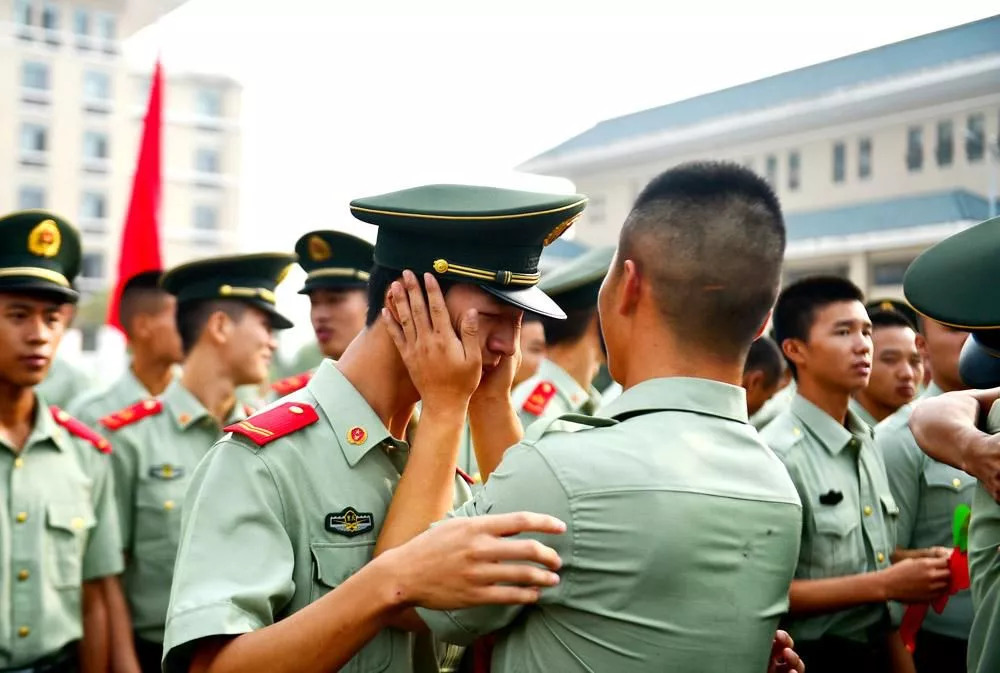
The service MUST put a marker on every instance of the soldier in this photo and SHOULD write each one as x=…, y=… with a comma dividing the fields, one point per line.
x=953, y=283
x=147, y=316
x=59, y=539
x=897, y=368
x=532, y=348
x=226, y=318
x=306, y=484
x=838, y=613
x=682, y=527
x=573, y=354
x=762, y=373
x=337, y=267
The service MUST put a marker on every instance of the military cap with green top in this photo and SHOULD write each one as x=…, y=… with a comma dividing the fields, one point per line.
x=486, y=236
x=39, y=252
x=575, y=284
x=957, y=282
x=894, y=306
x=247, y=278
x=334, y=260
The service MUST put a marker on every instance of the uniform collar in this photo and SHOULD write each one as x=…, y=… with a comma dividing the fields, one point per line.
x=134, y=389
x=831, y=434
x=566, y=386
x=355, y=424
x=186, y=409
x=933, y=390
x=700, y=396
x=862, y=413
x=45, y=428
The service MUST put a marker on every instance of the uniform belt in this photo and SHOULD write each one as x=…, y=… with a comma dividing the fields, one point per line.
x=63, y=661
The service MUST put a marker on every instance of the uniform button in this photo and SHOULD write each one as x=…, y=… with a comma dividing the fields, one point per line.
x=880, y=557
x=18, y=462
x=295, y=409
x=21, y=517
x=169, y=505
x=956, y=482
x=853, y=443
x=23, y=575
x=24, y=632
x=868, y=510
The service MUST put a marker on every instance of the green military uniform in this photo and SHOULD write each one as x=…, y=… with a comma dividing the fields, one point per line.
x=927, y=493
x=778, y=404
x=683, y=478
x=954, y=283
x=125, y=391
x=849, y=514
x=64, y=384
x=862, y=413
x=307, y=483
x=58, y=527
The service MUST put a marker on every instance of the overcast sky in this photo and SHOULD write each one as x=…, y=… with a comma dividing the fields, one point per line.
x=346, y=99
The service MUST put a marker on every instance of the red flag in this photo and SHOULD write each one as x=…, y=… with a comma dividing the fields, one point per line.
x=140, y=249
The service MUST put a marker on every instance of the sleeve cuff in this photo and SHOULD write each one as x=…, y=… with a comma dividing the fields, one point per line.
x=184, y=628
x=105, y=568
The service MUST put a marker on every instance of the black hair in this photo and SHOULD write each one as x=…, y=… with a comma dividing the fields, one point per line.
x=141, y=294
x=886, y=318
x=192, y=316
x=765, y=356
x=571, y=329
x=710, y=237
x=379, y=280
x=798, y=303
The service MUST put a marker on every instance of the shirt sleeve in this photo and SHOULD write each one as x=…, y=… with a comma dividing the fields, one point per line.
x=235, y=561
x=903, y=467
x=524, y=481
x=103, y=554
x=124, y=463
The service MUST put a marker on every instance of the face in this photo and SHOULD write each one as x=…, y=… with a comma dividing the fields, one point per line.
x=337, y=317
x=838, y=352
x=532, y=350
x=499, y=323
x=897, y=367
x=30, y=331
x=164, y=340
x=758, y=390
x=250, y=345
x=941, y=345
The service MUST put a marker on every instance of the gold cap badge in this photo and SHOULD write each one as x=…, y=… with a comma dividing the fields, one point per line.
x=45, y=239
x=319, y=250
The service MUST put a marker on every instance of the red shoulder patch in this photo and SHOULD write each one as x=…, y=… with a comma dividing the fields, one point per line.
x=275, y=423
x=291, y=384
x=78, y=429
x=130, y=415
x=465, y=476
x=539, y=398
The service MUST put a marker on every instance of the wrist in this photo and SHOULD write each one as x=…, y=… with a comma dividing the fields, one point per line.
x=881, y=591
x=974, y=445
x=395, y=592
x=444, y=409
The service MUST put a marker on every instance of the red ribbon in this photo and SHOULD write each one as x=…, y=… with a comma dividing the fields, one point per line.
x=913, y=618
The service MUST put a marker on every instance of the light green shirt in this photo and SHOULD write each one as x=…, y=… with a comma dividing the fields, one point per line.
x=984, y=570
x=927, y=493
x=63, y=384
x=862, y=413
x=567, y=396
x=682, y=530
x=849, y=514
x=93, y=406
x=153, y=459
x=778, y=403
x=58, y=529
x=260, y=539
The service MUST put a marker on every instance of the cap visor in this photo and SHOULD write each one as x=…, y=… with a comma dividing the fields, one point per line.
x=278, y=321
x=40, y=287
x=530, y=299
x=979, y=366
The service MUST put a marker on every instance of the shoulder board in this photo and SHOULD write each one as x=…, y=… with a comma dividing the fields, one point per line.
x=276, y=422
x=129, y=415
x=78, y=429
x=465, y=476
x=539, y=398
x=291, y=384
x=536, y=430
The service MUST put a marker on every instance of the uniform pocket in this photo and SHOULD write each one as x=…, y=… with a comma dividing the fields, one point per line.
x=68, y=527
x=833, y=552
x=334, y=562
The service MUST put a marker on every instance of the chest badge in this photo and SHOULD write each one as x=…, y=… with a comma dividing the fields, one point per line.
x=357, y=435
x=349, y=522
x=166, y=472
x=831, y=497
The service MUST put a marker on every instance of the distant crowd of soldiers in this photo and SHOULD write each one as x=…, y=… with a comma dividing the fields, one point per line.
x=609, y=467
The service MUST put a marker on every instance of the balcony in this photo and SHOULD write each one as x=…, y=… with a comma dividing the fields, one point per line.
x=38, y=158
x=36, y=96
x=97, y=165
x=94, y=225
x=98, y=105
x=55, y=40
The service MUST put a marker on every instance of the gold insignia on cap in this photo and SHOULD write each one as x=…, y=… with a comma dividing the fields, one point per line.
x=319, y=250
x=887, y=306
x=45, y=239
x=560, y=229
x=357, y=435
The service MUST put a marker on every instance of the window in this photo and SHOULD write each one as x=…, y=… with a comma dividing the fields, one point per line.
x=771, y=169
x=915, y=148
x=106, y=29
x=96, y=86
x=945, y=150
x=92, y=265
x=30, y=197
x=93, y=206
x=890, y=273
x=794, y=166
x=206, y=218
x=35, y=75
x=34, y=138
x=596, y=210
x=208, y=103
x=206, y=161
x=975, y=137
x=81, y=22
x=50, y=16
x=95, y=145
x=865, y=158
x=839, y=161
x=22, y=12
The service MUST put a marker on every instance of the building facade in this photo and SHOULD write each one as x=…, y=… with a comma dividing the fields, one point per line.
x=874, y=156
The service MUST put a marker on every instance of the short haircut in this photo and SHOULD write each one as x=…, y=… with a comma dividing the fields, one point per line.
x=380, y=279
x=571, y=329
x=192, y=316
x=141, y=294
x=765, y=356
x=710, y=238
x=884, y=318
x=798, y=303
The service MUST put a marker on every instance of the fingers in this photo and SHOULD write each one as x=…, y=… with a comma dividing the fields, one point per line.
x=530, y=551
x=793, y=662
x=418, y=308
x=470, y=336
x=400, y=302
x=520, y=522
x=440, y=319
x=508, y=595
x=519, y=574
x=395, y=331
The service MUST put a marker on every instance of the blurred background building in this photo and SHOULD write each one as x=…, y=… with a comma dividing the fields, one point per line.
x=874, y=156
